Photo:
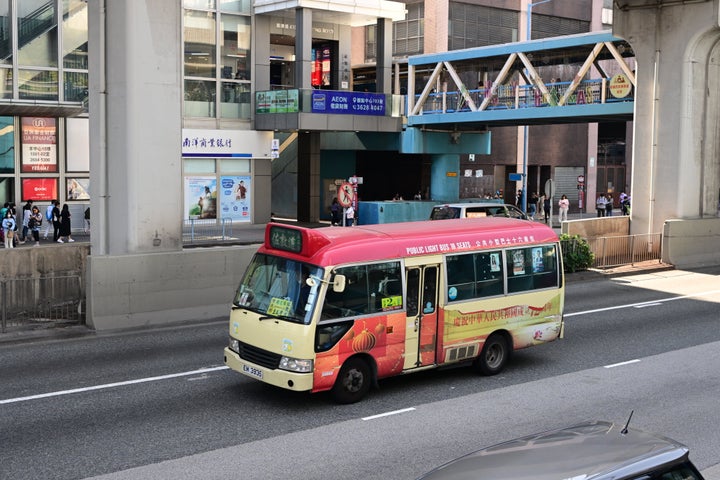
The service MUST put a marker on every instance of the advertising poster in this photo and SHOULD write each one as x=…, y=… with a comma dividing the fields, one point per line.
x=39, y=144
x=201, y=197
x=77, y=188
x=39, y=189
x=235, y=197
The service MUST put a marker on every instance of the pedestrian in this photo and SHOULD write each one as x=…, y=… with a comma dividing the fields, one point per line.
x=56, y=222
x=532, y=205
x=48, y=217
x=335, y=212
x=547, y=206
x=65, y=226
x=34, y=224
x=87, y=220
x=608, y=205
x=418, y=196
x=600, y=205
x=625, y=203
x=8, y=225
x=27, y=211
x=349, y=216
x=564, y=206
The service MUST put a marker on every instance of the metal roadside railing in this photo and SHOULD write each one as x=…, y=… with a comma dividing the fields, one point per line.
x=625, y=249
x=205, y=230
x=41, y=301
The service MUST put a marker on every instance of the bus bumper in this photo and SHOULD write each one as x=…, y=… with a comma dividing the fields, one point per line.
x=299, y=382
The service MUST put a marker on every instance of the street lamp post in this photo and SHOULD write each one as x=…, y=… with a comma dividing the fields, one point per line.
x=523, y=198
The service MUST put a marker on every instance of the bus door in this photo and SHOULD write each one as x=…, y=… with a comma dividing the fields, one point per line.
x=422, y=315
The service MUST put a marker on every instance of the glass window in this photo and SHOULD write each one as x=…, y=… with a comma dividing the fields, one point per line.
x=200, y=43
x=76, y=86
x=236, y=165
x=199, y=165
x=5, y=33
x=532, y=268
x=6, y=83
x=38, y=85
x=239, y=6
x=199, y=98
x=37, y=33
x=235, y=47
x=7, y=145
x=201, y=4
x=75, y=34
x=278, y=287
x=368, y=289
x=474, y=275
x=235, y=100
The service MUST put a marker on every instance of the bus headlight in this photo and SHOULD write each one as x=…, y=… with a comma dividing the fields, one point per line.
x=296, y=365
x=234, y=345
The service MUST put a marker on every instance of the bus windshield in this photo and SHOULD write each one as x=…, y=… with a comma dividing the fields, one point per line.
x=277, y=287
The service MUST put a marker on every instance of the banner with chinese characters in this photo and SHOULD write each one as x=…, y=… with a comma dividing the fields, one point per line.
x=39, y=144
x=349, y=103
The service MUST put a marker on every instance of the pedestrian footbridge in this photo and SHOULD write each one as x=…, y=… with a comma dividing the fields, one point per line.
x=578, y=78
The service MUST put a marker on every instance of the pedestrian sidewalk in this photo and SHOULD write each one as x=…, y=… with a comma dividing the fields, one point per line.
x=30, y=242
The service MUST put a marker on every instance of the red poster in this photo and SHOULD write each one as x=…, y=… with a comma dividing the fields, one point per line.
x=39, y=189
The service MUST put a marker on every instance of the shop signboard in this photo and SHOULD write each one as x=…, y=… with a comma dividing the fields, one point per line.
x=349, y=103
x=39, y=145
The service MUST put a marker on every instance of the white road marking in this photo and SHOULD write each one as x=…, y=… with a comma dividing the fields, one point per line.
x=387, y=414
x=111, y=385
x=643, y=304
x=622, y=363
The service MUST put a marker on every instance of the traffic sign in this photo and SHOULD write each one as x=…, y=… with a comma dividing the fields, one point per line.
x=346, y=194
x=581, y=178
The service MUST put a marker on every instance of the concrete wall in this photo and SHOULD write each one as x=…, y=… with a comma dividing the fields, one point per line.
x=597, y=226
x=165, y=287
x=686, y=242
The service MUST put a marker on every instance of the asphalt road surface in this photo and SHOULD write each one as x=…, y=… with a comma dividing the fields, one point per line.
x=160, y=404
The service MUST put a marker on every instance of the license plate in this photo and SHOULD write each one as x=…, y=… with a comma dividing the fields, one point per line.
x=253, y=371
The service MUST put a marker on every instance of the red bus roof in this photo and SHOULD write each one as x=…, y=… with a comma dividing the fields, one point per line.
x=337, y=245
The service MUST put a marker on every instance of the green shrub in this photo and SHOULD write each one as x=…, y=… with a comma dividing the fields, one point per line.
x=576, y=253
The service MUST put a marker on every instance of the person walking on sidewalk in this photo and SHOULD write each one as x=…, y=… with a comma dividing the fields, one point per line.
x=600, y=205
x=34, y=224
x=65, y=225
x=48, y=217
x=27, y=208
x=8, y=225
x=564, y=206
x=56, y=222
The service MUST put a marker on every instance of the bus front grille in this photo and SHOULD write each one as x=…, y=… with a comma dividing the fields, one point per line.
x=259, y=356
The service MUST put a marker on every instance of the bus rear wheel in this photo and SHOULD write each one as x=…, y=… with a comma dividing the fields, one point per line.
x=353, y=382
x=494, y=356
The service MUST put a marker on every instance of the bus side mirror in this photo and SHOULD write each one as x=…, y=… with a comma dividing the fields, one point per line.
x=339, y=283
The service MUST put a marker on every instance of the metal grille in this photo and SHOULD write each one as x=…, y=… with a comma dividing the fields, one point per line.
x=207, y=230
x=41, y=301
x=259, y=356
x=625, y=249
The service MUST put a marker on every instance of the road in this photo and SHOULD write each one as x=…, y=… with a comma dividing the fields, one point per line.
x=160, y=404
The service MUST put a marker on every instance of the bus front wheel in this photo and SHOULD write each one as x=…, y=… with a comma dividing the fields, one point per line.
x=494, y=356
x=353, y=382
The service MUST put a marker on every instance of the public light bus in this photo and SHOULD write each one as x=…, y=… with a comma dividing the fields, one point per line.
x=340, y=308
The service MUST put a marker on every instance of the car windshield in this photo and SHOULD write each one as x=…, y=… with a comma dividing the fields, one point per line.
x=444, y=213
x=277, y=287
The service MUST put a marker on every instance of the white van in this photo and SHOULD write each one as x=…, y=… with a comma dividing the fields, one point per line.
x=474, y=210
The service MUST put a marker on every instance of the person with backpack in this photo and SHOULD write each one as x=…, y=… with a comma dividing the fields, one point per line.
x=48, y=217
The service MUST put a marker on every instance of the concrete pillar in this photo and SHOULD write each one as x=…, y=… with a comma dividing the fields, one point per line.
x=135, y=49
x=308, y=177
x=384, y=55
x=261, y=54
x=303, y=48
x=675, y=149
x=676, y=161
x=444, y=181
